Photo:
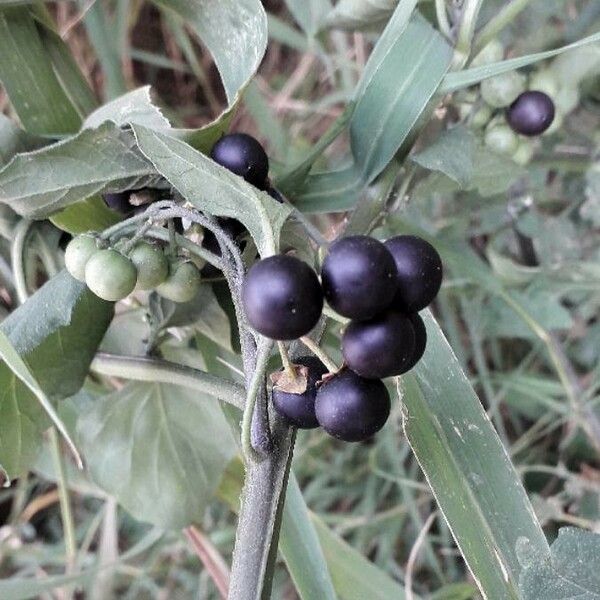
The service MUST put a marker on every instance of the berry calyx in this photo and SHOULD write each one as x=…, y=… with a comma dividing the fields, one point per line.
x=359, y=277
x=420, y=340
x=531, y=113
x=110, y=275
x=151, y=264
x=282, y=297
x=78, y=252
x=419, y=268
x=299, y=409
x=182, y=283
x=243, y=155
x=380, y=347
x=352, y=408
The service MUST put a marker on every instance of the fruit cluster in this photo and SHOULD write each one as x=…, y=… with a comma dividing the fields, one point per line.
x=380, y=287
x=513, y=107
x=112, y=275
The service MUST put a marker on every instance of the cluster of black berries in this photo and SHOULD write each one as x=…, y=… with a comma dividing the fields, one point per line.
x=381, y=288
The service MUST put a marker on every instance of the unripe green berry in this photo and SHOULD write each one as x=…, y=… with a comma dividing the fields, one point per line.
x=151, y=264
x=78, y=252
x=482, y=116
x=110, y=275
x=566, y=99
x=502, y=90
x=491, y=53
x=545, y=81
x=524, y=152
x=182, y=284
x=559, y=119
x=501, y=139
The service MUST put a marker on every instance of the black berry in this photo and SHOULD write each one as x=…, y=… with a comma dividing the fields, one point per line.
x=282, y=297
x=352, y=408
x=531, y=113
x=119, y=202
x=380, y=347
x=419, y=269
x=359, y=277
x=243, y=155
x=420, y=340
x=299, y=409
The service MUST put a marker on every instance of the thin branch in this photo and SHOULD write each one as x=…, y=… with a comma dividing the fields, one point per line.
x=162, y=371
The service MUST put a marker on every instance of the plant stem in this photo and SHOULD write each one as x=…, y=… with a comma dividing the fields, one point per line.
x=162, y=371
x=442, y=18
x=319, y=353
x=257, y=534
x=466, y=31
x=505, y=15
x=257, y=379
x=65, y=502
x=17, y=250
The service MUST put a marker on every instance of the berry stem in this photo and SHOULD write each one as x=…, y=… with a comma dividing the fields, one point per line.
x=172, y=239
x=319, y=353
x=285, y=360
x=442, y=18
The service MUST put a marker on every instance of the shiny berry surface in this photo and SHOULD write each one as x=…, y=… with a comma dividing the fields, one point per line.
x=243, y=155
x=531, y=113
x=380, y=347
x=351, y=408
x=419, y=268
x=359, y=277
x=282, y=297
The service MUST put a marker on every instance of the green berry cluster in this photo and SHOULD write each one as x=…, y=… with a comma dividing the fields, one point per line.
x=113, y=275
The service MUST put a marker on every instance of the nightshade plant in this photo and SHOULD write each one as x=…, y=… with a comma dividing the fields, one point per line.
x=212, y=303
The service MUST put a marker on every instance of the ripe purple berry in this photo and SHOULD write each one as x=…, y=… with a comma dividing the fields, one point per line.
x=282, y=297
x=380, y=347
x=419, y=268
x=359, y=277
x=531, y=113
x=243, y=155
x=352, y=408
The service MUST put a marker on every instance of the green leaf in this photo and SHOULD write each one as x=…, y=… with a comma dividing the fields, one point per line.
x=29, y=79
x=65, y=66
x=40, y=183
x=91, y=214
x=299, y=544
x=17, y=366
x=354, y=576
x=133, y=107
x=159, y=449
x=56, y=333
x=14, y=140
x=452, y=154
x=455, y=591
x=568, y=571
x=468, y=469
x=331, y=191
x=400, y=78
x=211, y=188
x=360, y=14
x=461, y=79
x=235, y=32
x=309, y=14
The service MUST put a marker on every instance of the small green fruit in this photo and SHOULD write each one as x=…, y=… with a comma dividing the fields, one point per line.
x=502, y=90
x=559, y=119
x=78, y=253
x=491, y=53
x=481, y=117
x=566, y=99
x=524, y=152
x=501, y=139
x=182, y=284
x=151, y=264
x=110, y=275
x=545, y=81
